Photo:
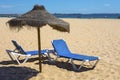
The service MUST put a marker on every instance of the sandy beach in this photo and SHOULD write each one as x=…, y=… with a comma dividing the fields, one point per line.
x=96, y=37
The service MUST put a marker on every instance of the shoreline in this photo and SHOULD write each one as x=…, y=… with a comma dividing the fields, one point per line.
x=75, y=18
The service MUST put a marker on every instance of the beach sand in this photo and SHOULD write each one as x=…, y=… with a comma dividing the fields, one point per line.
x=96, y=37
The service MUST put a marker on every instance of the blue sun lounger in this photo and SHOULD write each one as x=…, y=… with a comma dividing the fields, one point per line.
x=61, y=50
x=19, y=51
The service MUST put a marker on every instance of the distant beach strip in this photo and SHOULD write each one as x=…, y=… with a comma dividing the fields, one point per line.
x=86, y=16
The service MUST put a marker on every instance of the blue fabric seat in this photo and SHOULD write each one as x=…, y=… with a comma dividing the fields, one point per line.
x=62, y=50
x=35, y=52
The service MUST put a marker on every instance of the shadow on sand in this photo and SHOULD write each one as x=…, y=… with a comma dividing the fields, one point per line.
x=16, y=73
x=8, y=62
x=65, y=65
x=59, y=64
x=15, y=62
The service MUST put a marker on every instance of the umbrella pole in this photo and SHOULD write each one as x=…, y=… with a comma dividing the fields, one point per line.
x=39, y=49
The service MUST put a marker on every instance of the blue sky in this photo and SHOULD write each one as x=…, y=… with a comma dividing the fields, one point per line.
x=61, y=6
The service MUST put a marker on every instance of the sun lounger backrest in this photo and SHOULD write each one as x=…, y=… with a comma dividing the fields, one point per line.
x=60, y=47
x=18, y=47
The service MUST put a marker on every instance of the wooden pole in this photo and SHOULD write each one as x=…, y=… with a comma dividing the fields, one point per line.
x=39, y=49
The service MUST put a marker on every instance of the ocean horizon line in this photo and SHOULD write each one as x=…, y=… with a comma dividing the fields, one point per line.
x=76, y=15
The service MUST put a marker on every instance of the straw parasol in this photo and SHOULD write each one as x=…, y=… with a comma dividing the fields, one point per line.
x=37, y=18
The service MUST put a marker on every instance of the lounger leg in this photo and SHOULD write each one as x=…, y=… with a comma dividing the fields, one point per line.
x=26, y=59
x=10, y=56
x=75, y=67
x=95, y=63
x=90, y=64
x=16, y=59
x=81, y=65
x=49, y=58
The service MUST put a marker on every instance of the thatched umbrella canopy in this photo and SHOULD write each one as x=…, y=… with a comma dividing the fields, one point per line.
x=39, y=17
